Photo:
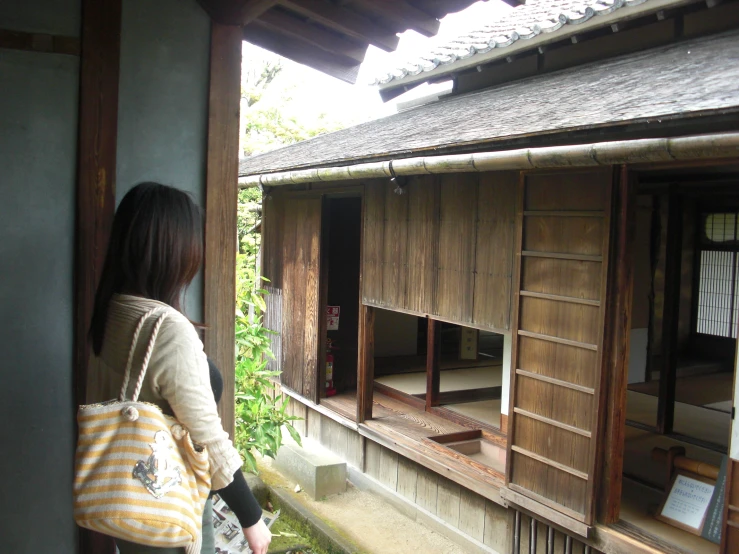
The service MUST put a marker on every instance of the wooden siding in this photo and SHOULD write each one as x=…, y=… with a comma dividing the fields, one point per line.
x=443, y=248
x=562, y=252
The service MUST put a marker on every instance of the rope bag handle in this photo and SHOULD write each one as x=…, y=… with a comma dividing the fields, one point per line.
x=147, y=356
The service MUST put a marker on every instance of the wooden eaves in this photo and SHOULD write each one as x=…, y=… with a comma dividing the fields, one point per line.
x=332, y=36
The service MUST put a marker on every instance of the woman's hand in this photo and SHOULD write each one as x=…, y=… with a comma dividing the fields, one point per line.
x=258, y=537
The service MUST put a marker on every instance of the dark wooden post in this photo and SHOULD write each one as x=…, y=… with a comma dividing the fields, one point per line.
x=670, y=317
x=221, y=208
x=98, y=133
x=366, y=369
x=433, y=373
x=616, y=342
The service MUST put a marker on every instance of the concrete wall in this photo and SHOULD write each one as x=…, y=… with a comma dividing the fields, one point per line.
x=55, y=17
x=38, y=154
x=163, y=102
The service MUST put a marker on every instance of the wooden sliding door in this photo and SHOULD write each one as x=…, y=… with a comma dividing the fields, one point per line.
x=292, y=263
x=559, y=288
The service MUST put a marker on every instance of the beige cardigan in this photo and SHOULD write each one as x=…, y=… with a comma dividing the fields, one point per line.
x=177, y=380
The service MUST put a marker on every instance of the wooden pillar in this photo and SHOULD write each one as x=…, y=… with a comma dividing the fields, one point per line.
x=221, y=208
x=433, y=373
x=616, y=342
x=366, y=363
x=670, y=318
x=97, y=143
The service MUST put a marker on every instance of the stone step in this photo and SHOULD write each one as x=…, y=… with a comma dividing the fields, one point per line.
x=318, y=472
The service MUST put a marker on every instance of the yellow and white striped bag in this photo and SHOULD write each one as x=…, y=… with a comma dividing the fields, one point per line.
x=138, y=475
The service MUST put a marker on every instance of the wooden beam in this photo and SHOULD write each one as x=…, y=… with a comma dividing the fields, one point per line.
x=345, y=21
x=221, y=207
x=254, y=9
x=433, y=372
x=96, y=170
x=341, y=67
x=406, y=15
x=616, y=346
x=39, y=42
x=366, y=363
x=668, y=369
x=283, y=23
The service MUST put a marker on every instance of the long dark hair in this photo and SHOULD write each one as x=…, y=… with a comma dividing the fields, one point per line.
x=155, y=250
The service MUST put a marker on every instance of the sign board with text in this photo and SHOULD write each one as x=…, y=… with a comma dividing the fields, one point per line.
x=332, y=318
x=687, y=503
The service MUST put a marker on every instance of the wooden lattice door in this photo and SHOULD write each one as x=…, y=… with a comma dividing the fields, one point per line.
x=562, y=250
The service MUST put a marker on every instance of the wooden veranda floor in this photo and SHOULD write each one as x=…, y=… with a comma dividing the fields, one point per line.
x=406, y=430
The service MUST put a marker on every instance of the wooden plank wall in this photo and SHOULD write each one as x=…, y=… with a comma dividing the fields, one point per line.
x=560, y=288
x=443, y=248
x=458, y=507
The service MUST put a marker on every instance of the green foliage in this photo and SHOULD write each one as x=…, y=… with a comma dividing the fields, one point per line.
x=270, y=118
x=267, y=128
x=261, y=411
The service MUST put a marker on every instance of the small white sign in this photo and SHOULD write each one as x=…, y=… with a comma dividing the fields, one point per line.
x=332, y=318
x=688, y=502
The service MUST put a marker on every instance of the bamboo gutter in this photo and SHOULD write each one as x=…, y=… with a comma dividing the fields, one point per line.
x=724, y=145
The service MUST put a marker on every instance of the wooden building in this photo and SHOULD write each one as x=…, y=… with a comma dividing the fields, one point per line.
x=535, y=279
x=96, y=96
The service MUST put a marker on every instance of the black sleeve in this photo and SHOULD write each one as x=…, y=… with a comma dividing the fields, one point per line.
x=240, y=499
x=237, y=495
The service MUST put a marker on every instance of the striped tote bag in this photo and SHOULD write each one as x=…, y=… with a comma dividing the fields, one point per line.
x=138, y=475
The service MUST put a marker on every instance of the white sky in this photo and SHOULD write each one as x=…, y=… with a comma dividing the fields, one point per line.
x=313, y=92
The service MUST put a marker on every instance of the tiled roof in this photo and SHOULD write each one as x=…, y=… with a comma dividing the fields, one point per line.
x=525, y=22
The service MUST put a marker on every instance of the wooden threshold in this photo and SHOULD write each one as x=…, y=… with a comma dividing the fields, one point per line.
x=409, y=399
x=344, y=404
x=469, y=423
x=468, y=395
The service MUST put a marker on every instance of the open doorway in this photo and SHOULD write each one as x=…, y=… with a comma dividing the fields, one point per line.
x=682, y=353
x=341, y=236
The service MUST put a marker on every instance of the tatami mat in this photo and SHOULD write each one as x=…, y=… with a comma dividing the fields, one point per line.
x=451, y=380
x=485, y=411
x=695, y=421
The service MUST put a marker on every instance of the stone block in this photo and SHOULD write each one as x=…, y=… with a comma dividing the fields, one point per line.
x=317, y=471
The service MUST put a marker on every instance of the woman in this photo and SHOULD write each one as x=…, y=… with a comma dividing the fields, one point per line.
x=155, y=251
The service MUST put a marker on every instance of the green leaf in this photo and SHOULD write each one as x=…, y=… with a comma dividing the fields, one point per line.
x=294, y=434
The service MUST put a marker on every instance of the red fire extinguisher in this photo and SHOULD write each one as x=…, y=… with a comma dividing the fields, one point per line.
x=330, y=390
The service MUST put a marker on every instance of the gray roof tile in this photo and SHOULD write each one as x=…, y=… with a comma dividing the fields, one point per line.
x=522, y=23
